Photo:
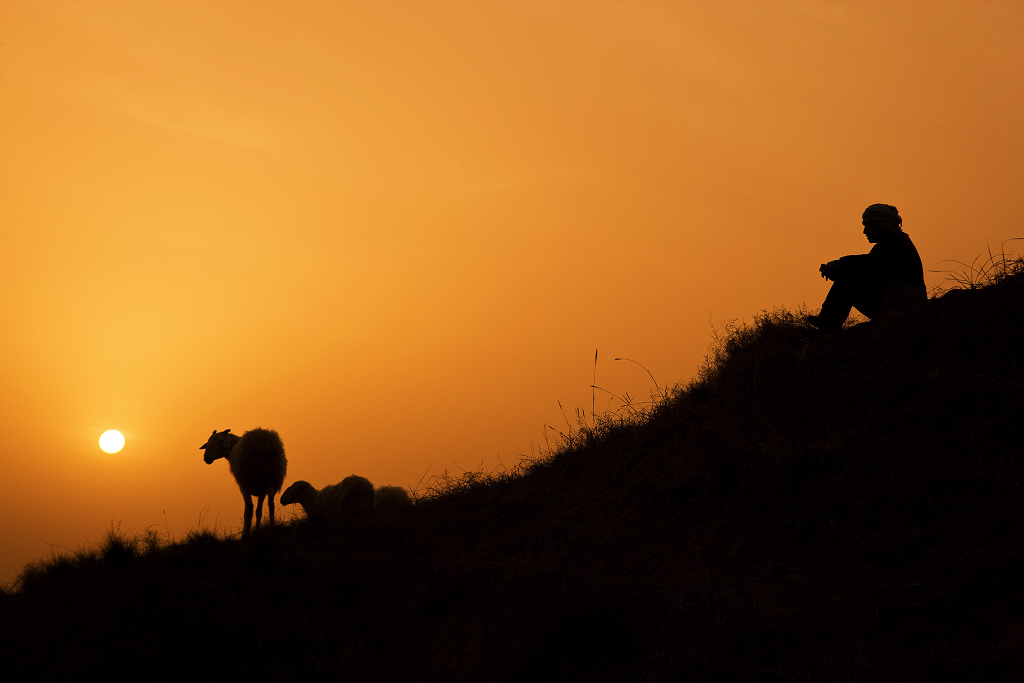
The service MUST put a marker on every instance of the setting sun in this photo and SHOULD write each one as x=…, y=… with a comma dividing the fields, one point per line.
x=111, y=441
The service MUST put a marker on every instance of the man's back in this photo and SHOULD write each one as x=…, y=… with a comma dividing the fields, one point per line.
x=899, y=263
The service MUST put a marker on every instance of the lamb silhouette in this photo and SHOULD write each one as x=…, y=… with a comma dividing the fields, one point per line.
x=352, y=497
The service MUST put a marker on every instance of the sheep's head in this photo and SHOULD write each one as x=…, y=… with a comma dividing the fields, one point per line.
x=217, y=446
x=299, y=492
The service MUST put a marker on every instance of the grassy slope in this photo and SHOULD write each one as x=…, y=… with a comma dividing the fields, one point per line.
x=844, y=508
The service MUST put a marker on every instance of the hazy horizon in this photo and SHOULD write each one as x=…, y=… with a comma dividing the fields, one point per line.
x=397, y=232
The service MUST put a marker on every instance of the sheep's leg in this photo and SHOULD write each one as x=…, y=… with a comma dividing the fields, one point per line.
x=270, y=508
x=259, y=509
x=248, y=516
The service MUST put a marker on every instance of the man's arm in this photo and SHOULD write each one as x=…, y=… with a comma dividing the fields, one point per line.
x=829, y=270
x=843, y=267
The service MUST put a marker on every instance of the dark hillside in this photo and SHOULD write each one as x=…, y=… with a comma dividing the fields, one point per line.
x=847, y=507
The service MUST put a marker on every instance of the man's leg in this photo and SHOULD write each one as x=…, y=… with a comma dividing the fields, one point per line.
x=835, y=309
x=868, y=297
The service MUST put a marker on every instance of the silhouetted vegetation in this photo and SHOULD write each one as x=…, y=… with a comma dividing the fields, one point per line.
x=845, y=507
x=982, y=272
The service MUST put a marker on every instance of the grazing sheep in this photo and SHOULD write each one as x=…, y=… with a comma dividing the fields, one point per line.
x=257, y=461
x=390, y=498
x=336, y=502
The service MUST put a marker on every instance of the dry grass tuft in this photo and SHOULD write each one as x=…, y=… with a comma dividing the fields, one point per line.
x=982, y=273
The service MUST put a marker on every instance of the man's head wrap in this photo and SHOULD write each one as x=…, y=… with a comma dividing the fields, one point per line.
x=885, y=214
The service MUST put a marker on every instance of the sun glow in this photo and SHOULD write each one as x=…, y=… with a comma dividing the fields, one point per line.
x=111, y=441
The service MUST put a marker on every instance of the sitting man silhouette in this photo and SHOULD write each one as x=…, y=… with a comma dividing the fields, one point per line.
x=889, y=275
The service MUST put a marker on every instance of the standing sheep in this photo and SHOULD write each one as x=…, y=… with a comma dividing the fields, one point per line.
x=334, y=502
x=257, y=462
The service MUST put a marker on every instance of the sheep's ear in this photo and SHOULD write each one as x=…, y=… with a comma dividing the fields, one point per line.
x=203, y=447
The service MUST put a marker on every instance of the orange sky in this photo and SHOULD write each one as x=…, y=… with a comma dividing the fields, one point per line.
x=396, y=233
